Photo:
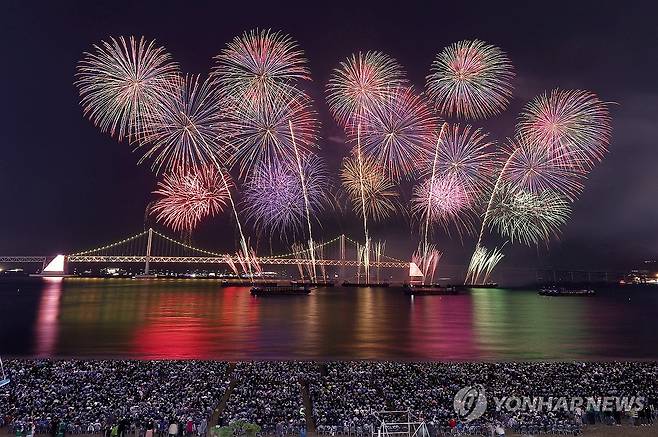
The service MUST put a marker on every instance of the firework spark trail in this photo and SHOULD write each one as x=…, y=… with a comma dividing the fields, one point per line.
x=319, y=250
x=306, y=262
x=470, y=79
x=491, y=262
x=301, y=251
x=363, y=207
x=229, y=261
x=119, y=83
x=427, y=259
x=183, y=132
x=311, y=245
x=429, y=193
x=379, y=253
x=483, y=261
x=493, y=193
x=489, y=204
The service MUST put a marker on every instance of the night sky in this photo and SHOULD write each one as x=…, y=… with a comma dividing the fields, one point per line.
x=65, y=186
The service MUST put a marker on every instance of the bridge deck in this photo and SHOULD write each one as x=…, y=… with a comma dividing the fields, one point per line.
x=223, y=260
x=22, y=259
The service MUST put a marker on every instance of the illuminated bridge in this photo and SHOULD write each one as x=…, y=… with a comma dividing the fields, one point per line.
x=150, y=247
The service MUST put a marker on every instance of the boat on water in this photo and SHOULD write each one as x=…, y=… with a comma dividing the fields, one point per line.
x=312, y=284
x=430, y=290
x=367, y=284
x=281, y=290
x=487, y=285
x=563, y=291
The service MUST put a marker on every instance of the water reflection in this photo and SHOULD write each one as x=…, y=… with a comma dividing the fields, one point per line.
x=442, y=328
x=537, y=327
x=47, y=325
x=200, y=319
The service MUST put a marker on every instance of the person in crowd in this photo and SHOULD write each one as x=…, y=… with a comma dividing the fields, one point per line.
x=173, y=429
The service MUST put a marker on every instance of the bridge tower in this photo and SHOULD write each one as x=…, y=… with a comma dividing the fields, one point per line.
x=342, y=257
x=148, y=251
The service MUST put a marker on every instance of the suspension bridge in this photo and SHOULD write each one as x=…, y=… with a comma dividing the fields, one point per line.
x=152, y=247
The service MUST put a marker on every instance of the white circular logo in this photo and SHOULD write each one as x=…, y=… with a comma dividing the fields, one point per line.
x=470, y=402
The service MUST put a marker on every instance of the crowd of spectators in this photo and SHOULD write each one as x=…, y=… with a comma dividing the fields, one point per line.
x=344, y=397
x=89, y=397
x=175, y=398
x=269, y=395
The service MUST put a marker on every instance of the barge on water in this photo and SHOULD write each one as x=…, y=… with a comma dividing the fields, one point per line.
x=487, y=285
x=312, y=284
x=430, y=290
x=281, y=290
x=367, y=284
x=562, y=291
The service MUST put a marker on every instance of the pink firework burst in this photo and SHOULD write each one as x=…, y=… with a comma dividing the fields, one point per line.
x=569, y=124
x=444, y=201
x=259, y=65
x=470, y=79
x=186, y=196
x=398, y=133
x=361, y=81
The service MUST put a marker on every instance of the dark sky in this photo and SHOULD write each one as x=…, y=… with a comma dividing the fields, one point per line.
x=66, y=187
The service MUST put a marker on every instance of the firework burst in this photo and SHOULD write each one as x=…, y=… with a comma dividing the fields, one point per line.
x=465, y=154
x=183, y=129
x=274, y=197
x=570, y=124
x=120, y=81
x=187, y=196
x=399, y=132
x=470, y=79
x=443, y=201
x=534, y=168
x=368, y=188
x=528, y=218
x=362, y=81
x=262, y=134
x=259, y=65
